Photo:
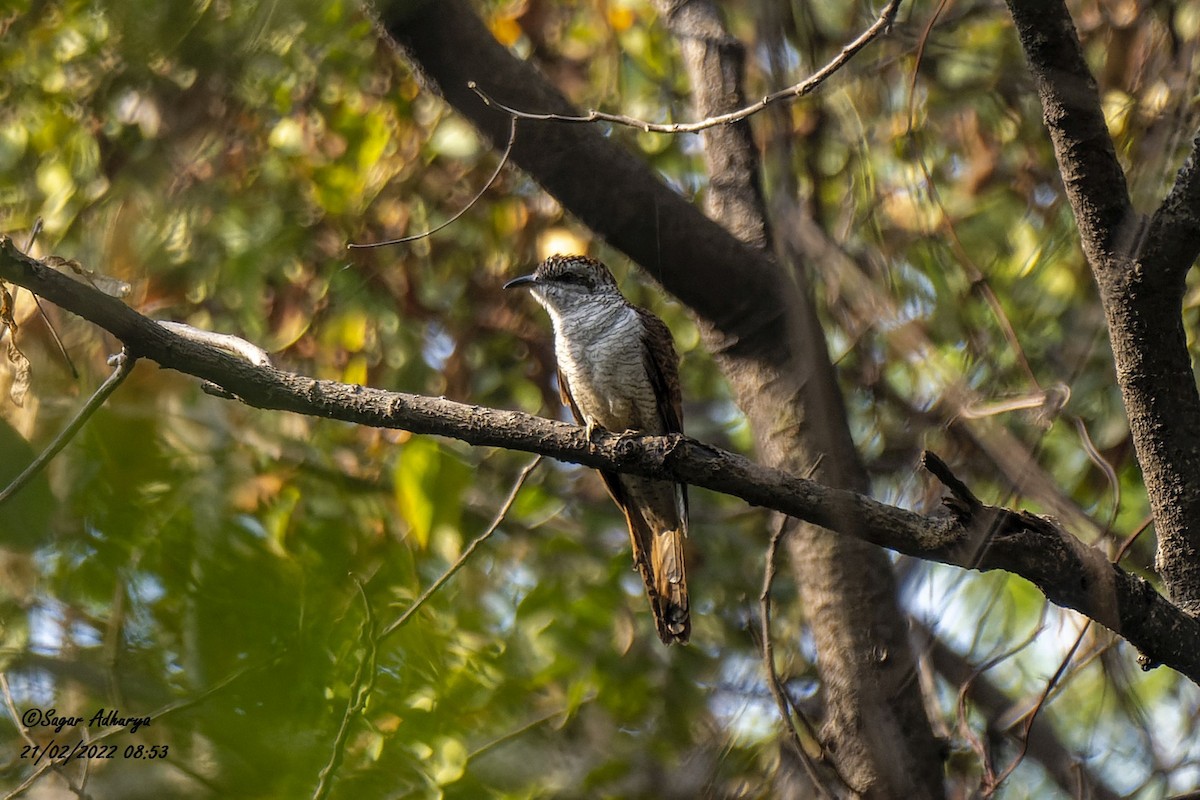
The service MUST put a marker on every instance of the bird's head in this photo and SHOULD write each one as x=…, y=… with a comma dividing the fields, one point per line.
x=568, y=283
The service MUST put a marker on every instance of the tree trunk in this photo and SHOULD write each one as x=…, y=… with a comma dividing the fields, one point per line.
x=876, y=731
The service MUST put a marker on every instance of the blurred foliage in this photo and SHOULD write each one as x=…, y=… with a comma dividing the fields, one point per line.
x=216, y=566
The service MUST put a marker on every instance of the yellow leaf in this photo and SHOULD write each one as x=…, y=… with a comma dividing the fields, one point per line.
x=506, y=30
x=620, y=18
x=450, y=762
x=416, y=506
x=355, y=371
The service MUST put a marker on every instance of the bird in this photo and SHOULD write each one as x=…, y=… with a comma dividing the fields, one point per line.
x=618, y=371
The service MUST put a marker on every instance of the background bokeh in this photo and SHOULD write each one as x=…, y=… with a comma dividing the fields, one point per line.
x=219, y=567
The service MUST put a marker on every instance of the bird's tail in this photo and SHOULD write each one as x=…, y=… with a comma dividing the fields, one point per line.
x=656, y=513
x=669, y=599
x=658, y=556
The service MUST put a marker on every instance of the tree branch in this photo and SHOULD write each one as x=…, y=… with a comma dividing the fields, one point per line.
x=122, y=366
x=1140, y=270
x=1068, y=572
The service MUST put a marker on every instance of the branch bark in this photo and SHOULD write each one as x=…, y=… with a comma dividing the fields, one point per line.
x=1068, y=572
x=1140, y=268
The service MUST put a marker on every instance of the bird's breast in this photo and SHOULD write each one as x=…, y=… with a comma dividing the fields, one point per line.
x=602, y=357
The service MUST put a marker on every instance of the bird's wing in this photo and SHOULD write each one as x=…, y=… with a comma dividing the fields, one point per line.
x=564, y=394
x=662, y=366
x=664, y=519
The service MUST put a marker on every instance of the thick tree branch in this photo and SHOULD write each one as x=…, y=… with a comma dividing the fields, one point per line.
x=1140, y=270
x=1068, y=572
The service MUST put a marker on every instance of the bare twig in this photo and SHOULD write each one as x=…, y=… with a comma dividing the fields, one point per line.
x=12, y=710
x=807, y=86
x=1045, y=745
x=123, y=364
x=487, y=747
x=58, y=342
x=462, y=559
x=1102, y=464
x=768, y=655
x=360, y=692
x=994, y=785
x=512, y=138
x=1133, y=537
x=964, y=692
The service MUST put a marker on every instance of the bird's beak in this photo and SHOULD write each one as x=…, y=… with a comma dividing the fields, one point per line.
x=524, y=280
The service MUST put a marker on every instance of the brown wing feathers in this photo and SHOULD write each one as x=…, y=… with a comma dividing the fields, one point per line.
x=666, y=551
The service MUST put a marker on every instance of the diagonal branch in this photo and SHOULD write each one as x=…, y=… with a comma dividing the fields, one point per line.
x=399, y=622
x=1068, y=572
x=122, y=365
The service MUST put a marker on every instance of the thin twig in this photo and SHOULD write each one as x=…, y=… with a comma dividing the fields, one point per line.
x=62, y=348
x=964, y=719
x=462, y=559
x=528, y=726
x=768, y=656
x=123, y=363
x=360, y=692
x=978, y=280
x=512, y=138
x=12, y=710
x=1102, y=464
x=989, y=791
x=807, y=86
x=1133, y=537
